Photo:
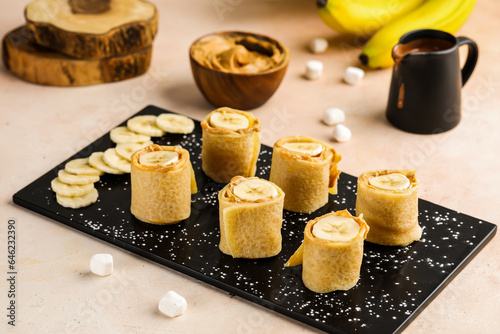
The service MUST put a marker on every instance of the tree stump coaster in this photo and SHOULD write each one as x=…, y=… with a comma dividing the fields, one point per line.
x=40, y=65
x=126, y=27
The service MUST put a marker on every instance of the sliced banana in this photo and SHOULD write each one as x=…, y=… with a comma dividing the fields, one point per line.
x=64, y=189
x=122, y=134
x=393, y=181
x=114, y=160
x=158, y=158
x=336, y=228
x=125, y=150
x=146, y=125
x=172, y=123
x=254, y=189
x=76, y=202
x=81, y=166
x=96, y=160
x=310, y=149
x=78, y=179
x=229, y=120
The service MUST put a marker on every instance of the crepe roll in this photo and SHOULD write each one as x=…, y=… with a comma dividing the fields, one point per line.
x=250, y=217
x=388, y=200
x=306, y=169
x=332, y=252
x=162, y=181
x=231, y=144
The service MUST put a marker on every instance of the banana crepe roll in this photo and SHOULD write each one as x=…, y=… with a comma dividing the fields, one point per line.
x=162, y=181
x=250, y=217
x=231, y=144
x=332, y=252
x=388, y=200
x=306, y=169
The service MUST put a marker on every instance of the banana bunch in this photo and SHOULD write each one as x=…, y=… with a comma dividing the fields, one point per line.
x=387, y=20
x=363, y=17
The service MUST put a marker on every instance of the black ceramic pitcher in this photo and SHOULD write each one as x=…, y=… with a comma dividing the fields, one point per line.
x=425, y=92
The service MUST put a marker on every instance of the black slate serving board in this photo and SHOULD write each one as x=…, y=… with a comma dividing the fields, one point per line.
x=395, y=284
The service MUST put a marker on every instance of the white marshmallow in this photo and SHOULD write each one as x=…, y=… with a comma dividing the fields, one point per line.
x=102, y=264
x=318, y=45
x=314, y=69
x=341, y=133
x=172, y=304
x=353, y=75
x=333, y=116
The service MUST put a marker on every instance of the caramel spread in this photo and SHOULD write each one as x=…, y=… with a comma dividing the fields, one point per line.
x=237, y=54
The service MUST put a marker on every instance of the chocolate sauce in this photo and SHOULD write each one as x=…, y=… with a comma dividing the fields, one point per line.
x=420, y=45
x=401, y=96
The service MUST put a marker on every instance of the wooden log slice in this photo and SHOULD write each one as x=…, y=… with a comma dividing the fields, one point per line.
x=39, y=65
x=89, y=6
x=128, y=26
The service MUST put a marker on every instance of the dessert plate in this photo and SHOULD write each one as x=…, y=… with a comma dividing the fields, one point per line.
x=396, y=283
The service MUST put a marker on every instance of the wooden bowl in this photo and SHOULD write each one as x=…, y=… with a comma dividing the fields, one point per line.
x=238, y=90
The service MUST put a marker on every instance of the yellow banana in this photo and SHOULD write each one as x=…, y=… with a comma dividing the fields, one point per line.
x=363, y=17
x=447, y=15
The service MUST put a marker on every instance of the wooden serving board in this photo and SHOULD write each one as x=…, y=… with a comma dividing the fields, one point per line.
x=68, y=27
x=396, y=283
x=37, y=64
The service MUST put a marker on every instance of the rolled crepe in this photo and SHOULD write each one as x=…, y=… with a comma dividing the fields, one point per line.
x=161, y=194
x=391, y=214
x=227, y=153
x=250, y=228
x=305, y=179
x=331, y=265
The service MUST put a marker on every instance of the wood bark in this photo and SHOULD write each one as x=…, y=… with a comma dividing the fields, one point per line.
x=39, y=65
x=128, y=26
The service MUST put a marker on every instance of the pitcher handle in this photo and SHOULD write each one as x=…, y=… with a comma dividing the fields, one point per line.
x=472, y=56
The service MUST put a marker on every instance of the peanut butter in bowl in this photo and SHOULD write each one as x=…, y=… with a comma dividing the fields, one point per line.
x=238, y=53
x=239, y=70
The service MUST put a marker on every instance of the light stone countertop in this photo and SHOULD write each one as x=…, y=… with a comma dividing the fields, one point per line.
x=42, y=126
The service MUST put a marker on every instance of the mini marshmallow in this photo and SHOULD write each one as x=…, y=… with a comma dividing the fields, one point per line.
x=341, y=133
x=333, y=116
x=318, y=45
x=102, y=264
x=172, y=304
x=353, y=75
x=314, y=69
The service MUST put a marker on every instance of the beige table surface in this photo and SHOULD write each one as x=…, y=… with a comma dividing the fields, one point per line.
x=42, y=126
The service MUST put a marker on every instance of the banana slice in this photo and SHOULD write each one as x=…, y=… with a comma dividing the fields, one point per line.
x=114, y=160
x=78, y=179
x=172, y=123
x=96, y=160
x=125, y=150
x=146, y=125
x=336, y=228
x=76, y=202
x=158, y=158
x=229, y=120
x=81, y=166
x=64, y=189
x=393, y=181
x=311, y=149
x=122, y=134
x=253, y=190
